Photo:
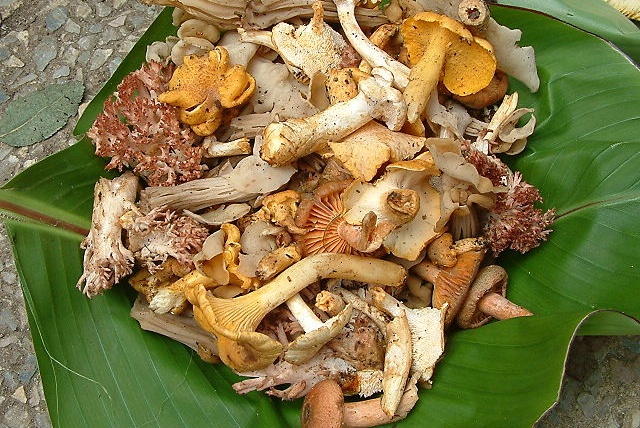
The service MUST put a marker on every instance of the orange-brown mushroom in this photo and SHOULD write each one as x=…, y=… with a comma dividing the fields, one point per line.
x=486, y=299
x=323, y=406
x=206, y=89
x=441, y=48
x=451, y=284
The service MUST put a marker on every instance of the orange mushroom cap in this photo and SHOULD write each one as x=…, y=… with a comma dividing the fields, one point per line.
x=440, y=48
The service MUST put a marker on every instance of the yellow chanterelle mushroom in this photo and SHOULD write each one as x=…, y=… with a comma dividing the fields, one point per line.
x=440, y=48
x=206, y=90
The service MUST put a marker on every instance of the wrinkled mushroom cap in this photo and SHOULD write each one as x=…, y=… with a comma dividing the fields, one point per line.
x=470, y=63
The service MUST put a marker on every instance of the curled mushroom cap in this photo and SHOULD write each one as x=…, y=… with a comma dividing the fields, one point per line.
x=441, y=48
x=205, y=88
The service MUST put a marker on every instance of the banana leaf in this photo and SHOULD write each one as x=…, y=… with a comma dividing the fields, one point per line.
x=100, y=369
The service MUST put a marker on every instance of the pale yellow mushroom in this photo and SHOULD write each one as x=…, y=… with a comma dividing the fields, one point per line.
x=287, y=141
x=397, y=363
x=234, y=321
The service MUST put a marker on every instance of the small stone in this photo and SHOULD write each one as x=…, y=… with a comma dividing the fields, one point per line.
x=20, y=395
x=3, y=96
x=587, y=404
x=4, y=53
x=28, y=369
x=88, y=42
x=83, y=10
x=103, y=10
x=63, y=71
x=56, y=18
x=16, y=417
x=72, y=26
x=8, y=320
x=98, y=58
x=14, y=62
x=25, y=79
x=118, y=22
x=44, y=53
x=635, y=418
x=7, y=341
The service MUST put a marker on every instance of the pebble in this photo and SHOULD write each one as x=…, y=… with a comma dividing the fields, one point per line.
x=44, y=53
x=56, y=17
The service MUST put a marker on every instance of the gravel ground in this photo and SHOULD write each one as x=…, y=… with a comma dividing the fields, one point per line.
x=44, y=41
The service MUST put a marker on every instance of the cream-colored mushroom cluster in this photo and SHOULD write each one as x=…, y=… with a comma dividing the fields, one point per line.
x=351, y=173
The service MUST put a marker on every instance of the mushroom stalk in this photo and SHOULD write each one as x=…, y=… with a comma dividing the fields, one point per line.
x=500, y=307
x=284, y=142
x=249, y=309
x=307, y=319
x=235, y=320
x=371, y=53
x=425, y=75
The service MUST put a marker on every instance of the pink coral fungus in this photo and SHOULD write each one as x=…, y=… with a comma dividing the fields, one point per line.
x=138, y=131
x=514, y=221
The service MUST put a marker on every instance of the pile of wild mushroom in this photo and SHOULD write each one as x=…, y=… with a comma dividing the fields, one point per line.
x=315, y=202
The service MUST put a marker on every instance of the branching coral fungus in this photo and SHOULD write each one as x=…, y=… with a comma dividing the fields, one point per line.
x=163, y=233
x=513, y=222
x=137, y=131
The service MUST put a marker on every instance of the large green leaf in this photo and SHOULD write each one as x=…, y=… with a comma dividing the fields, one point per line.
x=99, y=369
x=595, y=16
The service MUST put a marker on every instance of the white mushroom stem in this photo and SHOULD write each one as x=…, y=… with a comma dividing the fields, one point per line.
x=371, y=53
x=397, y=363
x=305, y=316
x=284, y=142
x=316, y=333
x=427, y=331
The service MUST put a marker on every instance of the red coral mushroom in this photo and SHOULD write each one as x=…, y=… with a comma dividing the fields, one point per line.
x=137, y=131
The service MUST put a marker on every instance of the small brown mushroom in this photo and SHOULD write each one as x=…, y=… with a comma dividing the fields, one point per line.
x=451, y=285
x=486, y=300
x=323, y=406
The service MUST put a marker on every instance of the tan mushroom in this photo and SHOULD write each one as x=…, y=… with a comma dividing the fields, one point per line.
x=427, y=331
x=287, y=141
x=487, y=300
x=235, y=320
x=451, y=285
x=397, y=363
x=306, y=50
x=323, y=406
x=441, y=48
x=322, y=215
x=371, y=53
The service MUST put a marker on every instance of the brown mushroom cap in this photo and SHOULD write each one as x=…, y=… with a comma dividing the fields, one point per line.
x=486, y=299
x=323, y=406
x=451, y=284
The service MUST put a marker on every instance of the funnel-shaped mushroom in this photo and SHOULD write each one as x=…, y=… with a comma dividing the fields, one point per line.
x=441, y=48
x=235, y=320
